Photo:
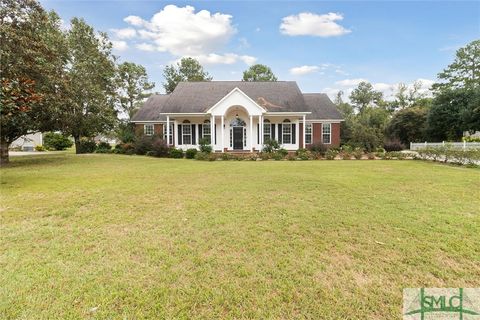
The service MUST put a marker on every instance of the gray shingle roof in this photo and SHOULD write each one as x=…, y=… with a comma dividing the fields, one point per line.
x=198, y=97
x=201, y=96
x=151, y=109
x=321, y=107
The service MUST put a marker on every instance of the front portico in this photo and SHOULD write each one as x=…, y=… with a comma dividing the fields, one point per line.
x=236, y=123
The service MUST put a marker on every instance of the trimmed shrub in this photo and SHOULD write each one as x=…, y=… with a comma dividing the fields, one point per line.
x=202, y=156
x=346, y=152
x=393, y=145
x=270, y=145
x=86, y=146
x=150, y=154
x=40, y=148
x=282, y=152
x=143, y=144
x=56, y=141
x=190, y=153
x=205, y=145
x=160, y=148
x=318, y=148
x=331, y=154
x=303, y=154
x=176, y=153
x=370, y=156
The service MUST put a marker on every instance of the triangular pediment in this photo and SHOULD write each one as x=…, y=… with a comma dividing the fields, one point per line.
x=236, y=97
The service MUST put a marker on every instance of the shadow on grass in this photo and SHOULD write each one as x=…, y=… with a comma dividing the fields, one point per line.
x=29, y=161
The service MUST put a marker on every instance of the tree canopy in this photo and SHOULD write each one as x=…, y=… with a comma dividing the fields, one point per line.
x=187, y=69
x=464, y=72
x=32, y=56
x=132, y=87
x=259, y=72
x=364, y=95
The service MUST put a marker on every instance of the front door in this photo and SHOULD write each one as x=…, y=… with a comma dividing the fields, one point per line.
x=237, y=138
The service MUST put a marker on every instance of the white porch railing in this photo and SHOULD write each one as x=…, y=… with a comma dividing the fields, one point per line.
x=459, y=145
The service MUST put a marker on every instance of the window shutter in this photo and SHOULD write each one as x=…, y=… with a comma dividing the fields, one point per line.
x=258, y=133
x=194, y=141
x=215, y=134
x=280, y=133
x=294, y=133
x=200, y=131
x=272, y=131
x=179, y=134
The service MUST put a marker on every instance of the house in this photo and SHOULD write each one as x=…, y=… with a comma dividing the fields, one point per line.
x=240, y=116
x=28, y=142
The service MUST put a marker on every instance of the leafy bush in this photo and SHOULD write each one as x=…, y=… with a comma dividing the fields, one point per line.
x=303, y=154
x=282, y=152
x=160, y=148
x=393, y=145
x=346, y=152
x=471, y=139
x=318, y=148
x=331, y=154
x=124, y=148
x=56, y=141
x=370, y=156
x=103, y=147
x=449, y=154
x=40, y=148
x=205, y=145
x=143, y=144
x=190, y=153
x=270, y=145
x=358, y=153
x=150, y=154
x=202, y=156
x=176, y=153
x=86, y=145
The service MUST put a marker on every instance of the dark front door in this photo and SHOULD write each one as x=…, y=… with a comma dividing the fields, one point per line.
x=237, y=138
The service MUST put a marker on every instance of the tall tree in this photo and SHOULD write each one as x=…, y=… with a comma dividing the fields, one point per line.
x=406, y=97
x=408, y=125
x=32, y=56
x=364, y=95
x=90, y=109
x=133, y=86
x=464, y=72
x=259, y=72
x=188, y=69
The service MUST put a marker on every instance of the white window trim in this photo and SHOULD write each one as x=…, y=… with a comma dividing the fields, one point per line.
x=189, y=125
x=165, y=132
x=284, y=125
x=329, y=125
x=309, y=125
x=145, y=126
x=207, y=126
x=268, y=126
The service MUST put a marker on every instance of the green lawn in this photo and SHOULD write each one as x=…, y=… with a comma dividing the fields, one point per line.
x=127, y=237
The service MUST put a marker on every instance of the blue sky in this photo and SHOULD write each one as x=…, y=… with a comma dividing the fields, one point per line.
x=324, y=46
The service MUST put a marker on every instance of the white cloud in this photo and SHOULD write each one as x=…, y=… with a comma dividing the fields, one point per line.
x=119, y=45
x=135, y=21
x=350, y=82
x=310, y=24
x=299, y=71
x=227, y=58
x=126, y=33
x=182, y=31
x=388, y=89
x=145, y=46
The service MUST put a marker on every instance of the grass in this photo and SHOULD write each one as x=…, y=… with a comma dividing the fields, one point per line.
x=109, y=237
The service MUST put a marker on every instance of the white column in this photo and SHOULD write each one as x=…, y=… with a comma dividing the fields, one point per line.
x=251, y=133
x=304, y=130
x=212, y=133
x=260, y=133
x=223, y=134
x=175, y=133
x=168, y=130
x=196, y=134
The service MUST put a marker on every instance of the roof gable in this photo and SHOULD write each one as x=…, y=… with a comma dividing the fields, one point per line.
x=236, y=97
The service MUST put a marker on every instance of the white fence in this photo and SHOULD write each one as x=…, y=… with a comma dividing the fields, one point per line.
x=460, y=145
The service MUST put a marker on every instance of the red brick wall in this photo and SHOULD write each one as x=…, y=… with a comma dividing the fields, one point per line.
x=336, y=134
x=157, y=129
x=317, y=132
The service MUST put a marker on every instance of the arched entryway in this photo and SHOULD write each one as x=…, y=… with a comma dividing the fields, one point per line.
x=238, y=134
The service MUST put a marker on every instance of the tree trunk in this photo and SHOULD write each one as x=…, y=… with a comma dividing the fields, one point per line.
x=77, y=144
x=4, y=159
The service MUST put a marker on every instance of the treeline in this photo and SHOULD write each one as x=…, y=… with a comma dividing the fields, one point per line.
x=413, y=116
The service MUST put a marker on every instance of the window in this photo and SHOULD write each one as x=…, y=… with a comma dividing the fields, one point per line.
x=148, y=129
x=286, y=132
x=308, y=133
x=207, y=131
x=267, y=130
x=170, y=134
x=327, y=133
x=186, y=132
